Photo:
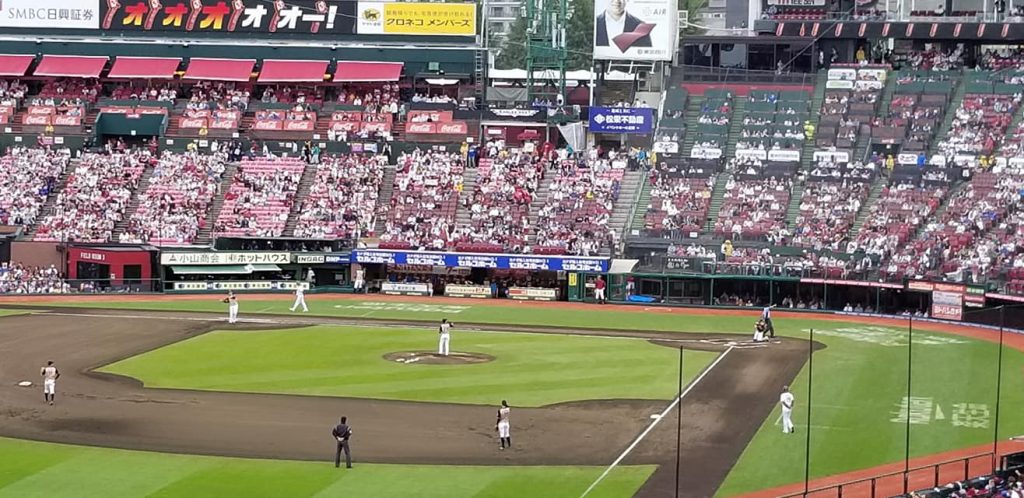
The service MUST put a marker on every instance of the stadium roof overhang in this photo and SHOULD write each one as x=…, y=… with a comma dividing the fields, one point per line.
x=289, y=71
x=144, y=67
x=71, y=66
x=220, y=69
x=15, y=65
x=355, y=71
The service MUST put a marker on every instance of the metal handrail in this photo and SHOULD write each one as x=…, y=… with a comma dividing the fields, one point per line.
x=905, y=473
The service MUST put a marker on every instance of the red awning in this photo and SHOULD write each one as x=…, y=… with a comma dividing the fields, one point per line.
x=144, y=67
x=71, y=66
x=278, y=71
x=15, y=65
x=368, y=71
x=220, y=69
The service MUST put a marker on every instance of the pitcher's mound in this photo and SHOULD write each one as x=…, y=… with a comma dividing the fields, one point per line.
x=431, y=358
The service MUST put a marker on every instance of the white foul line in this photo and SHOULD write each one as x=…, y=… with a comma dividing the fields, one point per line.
x=649, y=428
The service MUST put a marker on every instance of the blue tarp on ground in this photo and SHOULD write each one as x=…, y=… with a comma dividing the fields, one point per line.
x=640, y=299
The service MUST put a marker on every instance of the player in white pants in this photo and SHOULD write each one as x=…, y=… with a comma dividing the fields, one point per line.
x=503, y=425
x=300, y=298
x=786, y=400
x=50, y=375
x=360, y=281
x=232, y=302
x=444, y=337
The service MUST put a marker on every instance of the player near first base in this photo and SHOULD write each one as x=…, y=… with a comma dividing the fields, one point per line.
x=503, y=426
x=786, y=401
x=300, y=298
x=50, y=375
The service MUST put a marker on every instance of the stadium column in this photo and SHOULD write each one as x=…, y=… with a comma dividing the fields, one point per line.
x=999, y=387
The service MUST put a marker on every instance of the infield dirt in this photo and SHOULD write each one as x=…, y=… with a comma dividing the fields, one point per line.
x=719, y=415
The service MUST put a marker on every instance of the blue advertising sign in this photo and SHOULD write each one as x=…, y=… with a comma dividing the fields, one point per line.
x=621, y=120
x=479, y=260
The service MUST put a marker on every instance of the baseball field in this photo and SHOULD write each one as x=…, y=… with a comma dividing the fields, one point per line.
x=159, y=396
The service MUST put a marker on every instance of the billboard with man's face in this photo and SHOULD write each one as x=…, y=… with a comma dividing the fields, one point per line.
x=635, y=29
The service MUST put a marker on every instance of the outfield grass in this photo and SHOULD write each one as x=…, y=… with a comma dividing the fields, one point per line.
x=529, y=369
x=32, y=469
x=859, y=381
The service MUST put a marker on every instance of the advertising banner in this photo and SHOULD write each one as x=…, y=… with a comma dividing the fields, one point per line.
x=419, y=128
x=784, y=155
x=635, y=29
x=266, y=18
x=666, y=147
x=239, y=285
x=759, y=154
x=470, y=260
x=453, y=128
x=404, y=289
x=705, y=153
x=225, y=258
x=293, y=125
x=477, y=291
x=798, y=3
x=422, y=18
x=835, y=156
x=532, y=293
x=639, y=120
x=947, y=305
x=51, y=14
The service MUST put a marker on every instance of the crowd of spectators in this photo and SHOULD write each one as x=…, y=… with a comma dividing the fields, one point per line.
x=24, y=279
x=260, y=198
x=575, y=216
x=979, y=125
x=172, y=208
x=679, y=202
x=342, y=202
x=209, y=95
x=27, y=178
x=422, y=209
x=827, y=212
x=899, y=211
x=71, y=90
x=155, y=93
x=754, y=209
x=499, y=206
x=372, y=99
x=12, y=92
x=94, y=198
x=292, y=95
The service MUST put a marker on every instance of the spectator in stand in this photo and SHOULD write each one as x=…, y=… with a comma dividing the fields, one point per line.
x=94, y=198
x=342, y=201
x=422, y=210
x=27, y=178
x=23, y=279
x=173, y=207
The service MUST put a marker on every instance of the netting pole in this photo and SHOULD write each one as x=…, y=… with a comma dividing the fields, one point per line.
x=807, y=438
x=906, y=449
x=999, y=387
x=679, y=420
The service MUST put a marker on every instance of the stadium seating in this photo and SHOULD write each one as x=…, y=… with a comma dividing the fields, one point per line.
x=680, y=198
x=27, y=178
x=94, y=198
x=173, y=206
x=342, y=202
x=260, y=198
x=426, y=192
x=499, y=206
x=574, y=219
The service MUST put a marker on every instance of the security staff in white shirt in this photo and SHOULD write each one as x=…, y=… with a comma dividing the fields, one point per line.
x=444, y=333
x=786, y=400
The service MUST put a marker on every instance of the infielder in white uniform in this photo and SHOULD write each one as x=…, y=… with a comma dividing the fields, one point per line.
x=360, y=281
x=503, y=425
x=232, y=302
x=786, y=400
x=300, y=298
x=50, y=375
x=445, y=336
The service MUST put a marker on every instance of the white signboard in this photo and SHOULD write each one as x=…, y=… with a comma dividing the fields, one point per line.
x=798, y=3
x=644, y=30
x=225, y=258
x=784, y=155
x=835, y=156
x=50, y=14
x=842, y=73
x=839, y=84
x=239, y=285
x=751, y=154
x=666, y=147
x=705, y=153
x=406, y=289
x=906, y=159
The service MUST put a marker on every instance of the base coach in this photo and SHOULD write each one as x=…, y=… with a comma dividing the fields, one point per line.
x=341, y=433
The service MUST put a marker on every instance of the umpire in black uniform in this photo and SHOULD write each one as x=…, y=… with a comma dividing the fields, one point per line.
x=341, y=433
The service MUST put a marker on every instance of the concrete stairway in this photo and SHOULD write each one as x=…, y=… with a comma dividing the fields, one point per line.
x=865, y=208
x=204, y=235
x=51, y=201
x=692, y=115
x=387, y=189
x=133, y=203
x=305, y=184
x=637, y=223
x=717, y=195
x=462, y=214
x=735, y=126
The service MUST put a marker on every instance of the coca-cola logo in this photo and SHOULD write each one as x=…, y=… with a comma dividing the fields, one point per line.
x=453, y=128
x=421, y=128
